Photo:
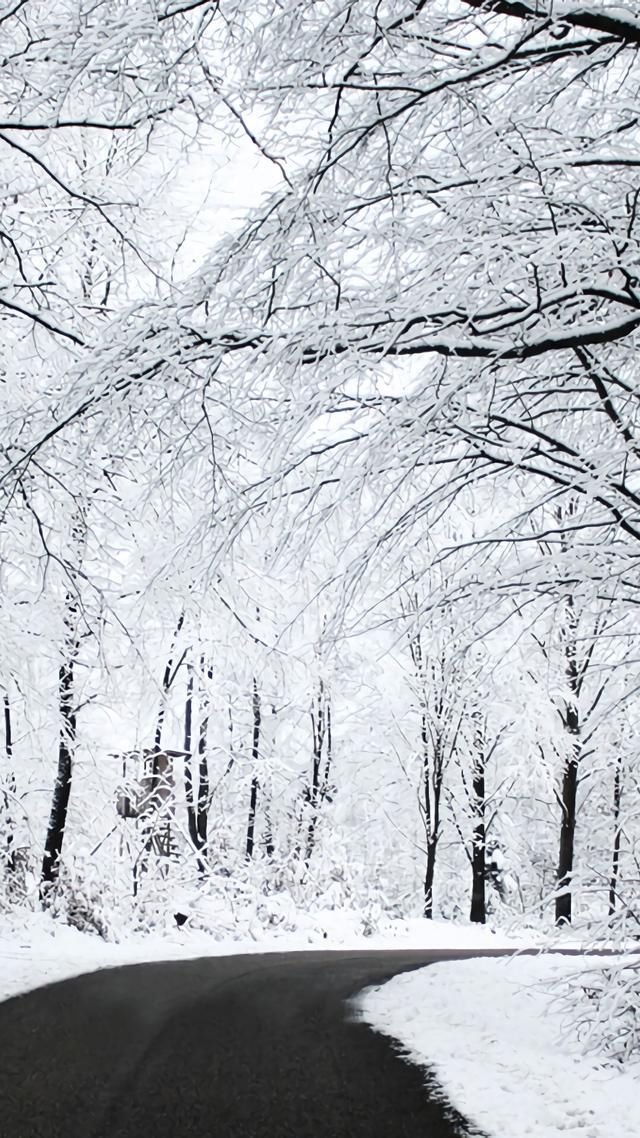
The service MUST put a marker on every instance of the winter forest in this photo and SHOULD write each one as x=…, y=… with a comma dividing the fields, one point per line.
x=320, y=461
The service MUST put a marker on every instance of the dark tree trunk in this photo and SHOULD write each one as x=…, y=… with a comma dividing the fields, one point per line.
x=432, y=748
x=8, y=741
x=313, y=793
x=575, y=673
x=188, y=759
x=321, y=762
x=68, y=725
x=170, y=673
x=617, y=836
x=567, y=840
x=202, y=809
x=197, y=800
x=8, y=839
x=568, y=801
x=478, y=850
x=255, y=784
x=432, y=775
x=429, y=876
x=328, y=751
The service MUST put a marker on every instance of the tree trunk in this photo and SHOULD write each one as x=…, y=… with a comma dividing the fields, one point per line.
x=328, y=750
x=188, y=759
x=7, y=840
x=197, y=800
x=568, y=798
x=169, y=676
x=202, y=806
x=617, y=836
x=321, y=762
x=478, y=850
x=255, y=754
x=317, y=727
x=432, y=743
x=429, y=875
x=8, y=741
x=569, y=788
x=68, y=725
x=432, y=774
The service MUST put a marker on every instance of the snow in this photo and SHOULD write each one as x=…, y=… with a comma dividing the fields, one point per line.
x=623, y=12
x=489, y=1028
x=494, y=1033
x=36, y=949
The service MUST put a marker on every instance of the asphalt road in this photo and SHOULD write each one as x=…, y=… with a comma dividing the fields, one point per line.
x=230, y=1047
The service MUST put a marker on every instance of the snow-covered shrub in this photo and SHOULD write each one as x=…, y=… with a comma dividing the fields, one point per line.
x=84, y=901
x=602, y=1008
x=16, y=874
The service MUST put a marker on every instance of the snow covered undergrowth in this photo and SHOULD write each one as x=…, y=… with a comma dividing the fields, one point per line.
x=490, y=1028
x=495, y=1033
x=36, y=949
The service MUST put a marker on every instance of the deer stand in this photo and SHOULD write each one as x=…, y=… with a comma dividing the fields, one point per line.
x=150, y=803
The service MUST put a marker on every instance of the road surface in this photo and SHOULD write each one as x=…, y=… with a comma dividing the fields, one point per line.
x=230, y=1047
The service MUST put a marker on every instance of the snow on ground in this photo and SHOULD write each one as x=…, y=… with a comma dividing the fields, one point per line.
x=488, y=1028
x=491, y=1030
x=36, y=950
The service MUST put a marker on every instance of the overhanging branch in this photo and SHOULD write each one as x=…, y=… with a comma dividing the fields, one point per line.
x=615, y=22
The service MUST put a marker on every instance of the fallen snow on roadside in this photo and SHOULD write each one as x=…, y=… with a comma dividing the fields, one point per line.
x=36, y=950
x=488, y=1028
x=492, y=1033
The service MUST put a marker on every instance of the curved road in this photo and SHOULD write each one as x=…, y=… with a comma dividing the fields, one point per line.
x=227, y=1047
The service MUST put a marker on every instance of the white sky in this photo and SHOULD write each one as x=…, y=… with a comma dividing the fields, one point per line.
x=222, y=182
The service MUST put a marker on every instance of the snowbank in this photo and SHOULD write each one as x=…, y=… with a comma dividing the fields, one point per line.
x=489, y=1028
x=492, y=1031
x=36, y=950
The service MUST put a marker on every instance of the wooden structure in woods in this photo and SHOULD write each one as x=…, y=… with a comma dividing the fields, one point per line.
x=148, y=796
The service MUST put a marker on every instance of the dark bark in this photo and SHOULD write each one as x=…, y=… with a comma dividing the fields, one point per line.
x=567, y=840
x=433, y=770
x=321, y=762
x=66, y=747
x=432, y=776
x=575, y=674
x=585, y=16
x=188, y=770
x=203, y=799
x=568, y=802
x=328, y=750
x=8, y=741
x=8, y=853
x=255, y=784
x=432, y=744
x=198, y=799
x=429, y=876
x=617, y=836
x=478, y=850
x=170, y=673
x=317, y=725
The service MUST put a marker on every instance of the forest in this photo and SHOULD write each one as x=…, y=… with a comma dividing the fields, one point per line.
x=320, y=462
